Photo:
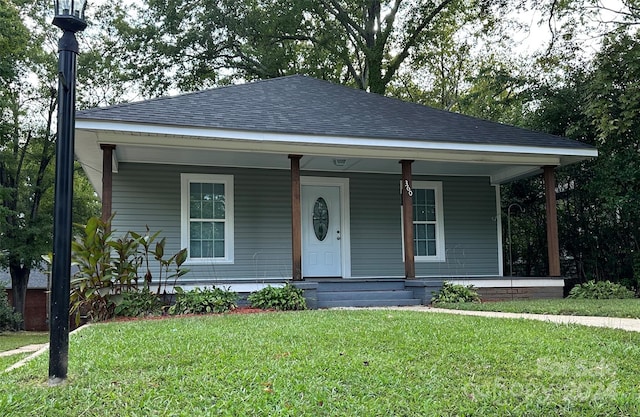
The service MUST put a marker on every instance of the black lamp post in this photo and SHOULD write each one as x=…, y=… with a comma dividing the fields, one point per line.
x=69, y=16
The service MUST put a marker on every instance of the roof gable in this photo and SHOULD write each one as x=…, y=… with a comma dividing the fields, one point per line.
x=308, y=106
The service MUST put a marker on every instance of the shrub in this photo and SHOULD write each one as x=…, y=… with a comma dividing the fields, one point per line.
x=279, y=298
x=202, y=301
x=9, y=320
x=138, y=304
x=110, y=267
x=455, y=293
x=600, y=290
x=92, y=284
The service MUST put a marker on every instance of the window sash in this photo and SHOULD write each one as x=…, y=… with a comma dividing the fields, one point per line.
x=207, y=218
x=428, y=224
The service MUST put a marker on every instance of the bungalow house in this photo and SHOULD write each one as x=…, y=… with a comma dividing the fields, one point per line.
x=359, y=199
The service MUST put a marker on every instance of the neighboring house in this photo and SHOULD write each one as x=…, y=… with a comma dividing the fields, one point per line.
x=299, y=179
x=37, y=304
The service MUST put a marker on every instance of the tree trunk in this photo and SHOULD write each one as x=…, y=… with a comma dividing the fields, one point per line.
x=19, y=282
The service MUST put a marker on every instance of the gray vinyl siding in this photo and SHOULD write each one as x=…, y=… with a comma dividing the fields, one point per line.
x=147, y=194
x=470, y=228
x=150, y=194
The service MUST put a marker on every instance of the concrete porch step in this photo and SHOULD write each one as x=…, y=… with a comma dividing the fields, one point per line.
x=360, y=285
x=368, y=303
x=365, y=295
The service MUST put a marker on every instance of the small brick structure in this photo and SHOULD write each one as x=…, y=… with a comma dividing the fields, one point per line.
x=519, y=293
x=515, y=288
x=36, y=317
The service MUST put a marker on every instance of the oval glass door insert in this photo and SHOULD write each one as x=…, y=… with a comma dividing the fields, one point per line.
x=320, y=218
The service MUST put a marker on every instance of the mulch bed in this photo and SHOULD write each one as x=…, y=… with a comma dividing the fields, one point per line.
x=239, y=310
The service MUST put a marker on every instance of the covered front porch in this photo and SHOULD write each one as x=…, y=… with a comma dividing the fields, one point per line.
x=311, y=172
x=295, y=179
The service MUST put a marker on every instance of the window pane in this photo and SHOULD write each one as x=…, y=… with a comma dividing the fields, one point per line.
x=431, y=213
x=218, y=231
x=219, y=210
x=430, y=197
x=207, y=209
x=419, y=239
x=207, y=191
x=218, y=190
x=195, y=190
x=431, y=231
x=219, y=248
x=207, y=249
x=195, y=230
x=207, y=231
x=420, y=247
x=431, y=248
x=420, y=196
x=195, y=210
x=195, y=249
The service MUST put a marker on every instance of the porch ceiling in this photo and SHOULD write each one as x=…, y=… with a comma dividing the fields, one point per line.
x=239, y=149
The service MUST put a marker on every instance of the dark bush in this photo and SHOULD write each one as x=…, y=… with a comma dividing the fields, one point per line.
x=138, y=304
x=455, y=293
x=202, y=301
x=600, y=290
x=279, y=298
x=9, y=320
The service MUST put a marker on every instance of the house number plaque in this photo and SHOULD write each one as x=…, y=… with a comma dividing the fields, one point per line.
x=408, y=188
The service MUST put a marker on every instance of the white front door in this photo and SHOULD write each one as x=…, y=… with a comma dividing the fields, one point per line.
x=321, y=228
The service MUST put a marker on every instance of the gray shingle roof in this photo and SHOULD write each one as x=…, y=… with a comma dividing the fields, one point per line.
x=308, y=106
x=37, y=279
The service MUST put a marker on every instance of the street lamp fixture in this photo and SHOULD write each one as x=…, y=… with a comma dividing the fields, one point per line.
x=69, y=16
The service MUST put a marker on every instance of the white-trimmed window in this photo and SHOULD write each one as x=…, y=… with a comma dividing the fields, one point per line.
x=207, y=217
x=428, y=221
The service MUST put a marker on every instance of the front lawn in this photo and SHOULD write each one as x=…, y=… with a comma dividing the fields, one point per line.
x=629, y=308
x=336, y=363
x=14, y=340
x=7, y=361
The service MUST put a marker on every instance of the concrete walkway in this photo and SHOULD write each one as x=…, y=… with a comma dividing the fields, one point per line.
x=632, y=325
x=23, y=349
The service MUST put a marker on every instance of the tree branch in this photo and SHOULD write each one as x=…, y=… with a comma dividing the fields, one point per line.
x=395, y=63
x=357, y=34
x=388, y=23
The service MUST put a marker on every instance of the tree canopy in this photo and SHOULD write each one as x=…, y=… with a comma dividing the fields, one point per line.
x=363, y=43
x=28, y=103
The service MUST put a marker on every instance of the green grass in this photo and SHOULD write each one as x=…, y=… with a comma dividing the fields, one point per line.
x=575, y=307
x=336, y=363
x=13, y=340
x=7, y=361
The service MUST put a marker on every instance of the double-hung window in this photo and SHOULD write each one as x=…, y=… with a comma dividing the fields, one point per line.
x=207, y=217
x=428, y=222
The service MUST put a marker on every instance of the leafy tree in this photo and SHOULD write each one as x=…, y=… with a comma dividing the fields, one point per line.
x=363, y=43
x=613, y=106
x=27, y=146
x=26, y=150
x=597, y=200
x=101, y=78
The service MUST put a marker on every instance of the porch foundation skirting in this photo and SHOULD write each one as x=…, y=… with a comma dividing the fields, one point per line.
x=370, y=292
